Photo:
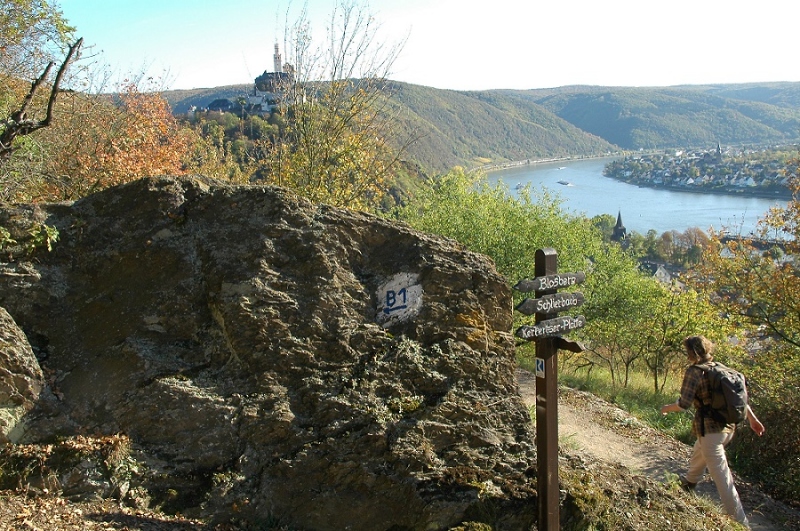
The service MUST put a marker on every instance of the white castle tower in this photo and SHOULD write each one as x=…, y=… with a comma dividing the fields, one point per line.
x=278, y=65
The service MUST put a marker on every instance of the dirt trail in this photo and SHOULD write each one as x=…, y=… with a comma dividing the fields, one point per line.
x=591, y=425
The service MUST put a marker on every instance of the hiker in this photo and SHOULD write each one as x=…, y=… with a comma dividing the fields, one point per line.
x=712, y=435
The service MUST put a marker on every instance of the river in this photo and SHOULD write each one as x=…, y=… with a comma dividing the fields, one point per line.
x=589, y=192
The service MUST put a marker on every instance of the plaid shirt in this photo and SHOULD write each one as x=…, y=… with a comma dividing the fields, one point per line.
x=694, y=393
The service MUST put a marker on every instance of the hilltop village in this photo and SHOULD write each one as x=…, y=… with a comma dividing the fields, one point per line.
x=759, y=172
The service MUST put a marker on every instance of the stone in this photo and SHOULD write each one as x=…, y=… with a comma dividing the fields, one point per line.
x=271, y=359
x=21, y=379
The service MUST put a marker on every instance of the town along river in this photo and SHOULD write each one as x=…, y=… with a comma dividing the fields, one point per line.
x=585, y=190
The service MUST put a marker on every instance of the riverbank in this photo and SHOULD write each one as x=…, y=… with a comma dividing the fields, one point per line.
x=779, y=195
x=489, y=168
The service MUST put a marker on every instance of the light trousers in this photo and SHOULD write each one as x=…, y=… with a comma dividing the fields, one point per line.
x=709, y=453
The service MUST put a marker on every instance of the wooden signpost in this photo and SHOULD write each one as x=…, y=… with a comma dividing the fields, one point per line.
x=547, y=334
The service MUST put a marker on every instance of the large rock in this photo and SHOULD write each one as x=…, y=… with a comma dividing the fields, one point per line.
x=272, y=359
x=21, y=379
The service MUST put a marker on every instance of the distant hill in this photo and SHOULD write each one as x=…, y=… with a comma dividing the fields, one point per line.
x=655, y=118
x=471, y=128
x=183, y=100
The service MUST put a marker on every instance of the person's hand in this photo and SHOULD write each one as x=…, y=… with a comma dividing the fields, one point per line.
x=669, y=408
x=756, y=426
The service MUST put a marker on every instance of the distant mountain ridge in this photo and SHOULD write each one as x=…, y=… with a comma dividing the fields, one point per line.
x=472, y=128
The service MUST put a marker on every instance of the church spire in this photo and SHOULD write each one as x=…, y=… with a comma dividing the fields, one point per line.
x=619, y=232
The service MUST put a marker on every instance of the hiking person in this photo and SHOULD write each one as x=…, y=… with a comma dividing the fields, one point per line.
x=712, y=434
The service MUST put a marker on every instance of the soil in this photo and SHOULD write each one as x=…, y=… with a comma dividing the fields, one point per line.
x=587, y=425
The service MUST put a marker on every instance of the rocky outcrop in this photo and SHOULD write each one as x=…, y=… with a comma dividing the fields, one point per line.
x=270, y=359
x=21, y=379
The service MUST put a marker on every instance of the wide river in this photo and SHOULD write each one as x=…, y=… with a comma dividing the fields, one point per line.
x=589, y=192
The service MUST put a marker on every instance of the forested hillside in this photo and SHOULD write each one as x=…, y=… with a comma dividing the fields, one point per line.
x=465, y=128
x=635, y=118
x=475, y=128
x=780, y=94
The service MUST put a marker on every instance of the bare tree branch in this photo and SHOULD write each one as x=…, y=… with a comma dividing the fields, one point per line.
x=18, y=124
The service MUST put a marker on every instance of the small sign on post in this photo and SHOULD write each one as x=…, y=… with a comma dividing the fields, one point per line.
x=539, y=368
x=547, y=332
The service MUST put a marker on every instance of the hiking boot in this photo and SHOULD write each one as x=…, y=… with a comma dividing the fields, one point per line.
x=686, y=485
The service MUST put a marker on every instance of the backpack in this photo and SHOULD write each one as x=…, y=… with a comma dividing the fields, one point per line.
x=728, y=394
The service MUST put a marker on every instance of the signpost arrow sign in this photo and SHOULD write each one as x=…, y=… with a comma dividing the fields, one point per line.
x=550, y=303
x=551, y=327
x=550, y=282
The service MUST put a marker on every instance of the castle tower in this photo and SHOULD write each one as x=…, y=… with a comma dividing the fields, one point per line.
x=278, y=62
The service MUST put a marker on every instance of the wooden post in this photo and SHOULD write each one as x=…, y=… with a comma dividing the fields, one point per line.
x=547, y=332
x=547, y=407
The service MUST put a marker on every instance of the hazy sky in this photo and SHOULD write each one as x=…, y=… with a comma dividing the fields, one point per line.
x=462, y=44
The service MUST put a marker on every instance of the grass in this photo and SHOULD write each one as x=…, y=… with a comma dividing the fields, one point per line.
x=637, y=398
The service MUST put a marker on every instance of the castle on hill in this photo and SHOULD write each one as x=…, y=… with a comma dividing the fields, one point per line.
x=268, y=87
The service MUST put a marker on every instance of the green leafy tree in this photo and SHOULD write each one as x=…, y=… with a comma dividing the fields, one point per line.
x=487, y=219
x=605, y=224
x=621, y=302
x=675, y=314
x=644, y=247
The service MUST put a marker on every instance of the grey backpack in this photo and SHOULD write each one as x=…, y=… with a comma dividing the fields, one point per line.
x=728, y=394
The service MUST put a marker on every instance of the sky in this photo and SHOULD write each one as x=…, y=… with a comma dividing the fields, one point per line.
x=458, y=44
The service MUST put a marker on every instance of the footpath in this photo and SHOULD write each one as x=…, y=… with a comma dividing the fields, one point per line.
x=588, y=424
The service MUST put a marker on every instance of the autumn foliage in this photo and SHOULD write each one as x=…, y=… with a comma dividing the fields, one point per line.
x=100, y=143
